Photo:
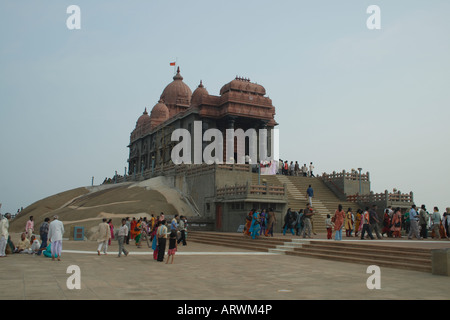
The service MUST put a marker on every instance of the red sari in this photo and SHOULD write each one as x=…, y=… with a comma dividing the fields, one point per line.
x=248, y=223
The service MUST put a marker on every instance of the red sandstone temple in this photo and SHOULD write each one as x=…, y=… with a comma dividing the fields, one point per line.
x=240, y=105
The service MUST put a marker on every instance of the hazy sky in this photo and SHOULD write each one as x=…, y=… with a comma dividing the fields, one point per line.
x=345, y=96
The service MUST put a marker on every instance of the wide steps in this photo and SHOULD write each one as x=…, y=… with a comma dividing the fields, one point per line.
x=394, y=256
x=367, y=261
x=367, y=253
x=236, y=241
x=387, y=256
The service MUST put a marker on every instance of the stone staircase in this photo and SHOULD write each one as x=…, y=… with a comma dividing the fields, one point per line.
x=324, y=201
x=368, y=253
x=418, y=259
x=235, y=240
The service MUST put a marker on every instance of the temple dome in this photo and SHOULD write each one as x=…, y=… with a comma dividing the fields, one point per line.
x=198, y=93
x=243, y=85
x=143, y=119
x=177, y=92
x=159, y=114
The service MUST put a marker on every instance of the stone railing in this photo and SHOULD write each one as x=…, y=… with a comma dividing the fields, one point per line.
x=386, y=197
x=244, y=191
x=172, y=169
x=353, y=175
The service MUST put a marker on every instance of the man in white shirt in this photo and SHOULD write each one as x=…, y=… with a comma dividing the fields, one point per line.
x=55, y=235
x=311, y=168
x=103, y=237
x=121, y=236
x=4, y=233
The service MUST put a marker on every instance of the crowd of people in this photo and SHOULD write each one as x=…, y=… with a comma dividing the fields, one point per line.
x=294, y=169
x=364, y=224
x=368, y=224
x=153, y=230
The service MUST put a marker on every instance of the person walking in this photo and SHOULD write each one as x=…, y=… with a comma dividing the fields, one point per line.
x=122, y=234
x=104, y=234
x=4, y=233
x=414, y=221
x=127, y=238
x=288, y=222
x=161, y=233
x=299, y=223
x=311, y=168
x=296, y=168
x=310, y=192
x=111, y=230
x=55, y=235
x=182, y=228
x=387, y=223
x=255, y=227
x=436, y=223
x=348, y=223
x=446, y=222
x=423, y=222
x=43, y=232
x=271, y=220
x=358, y=221
x=338, y=219
x=172, y=246
x=263, y=218
x=396, y=225
x=365, y=224
x=374, y=221
x=329, y=225
x=307, y=217
x=29, y=228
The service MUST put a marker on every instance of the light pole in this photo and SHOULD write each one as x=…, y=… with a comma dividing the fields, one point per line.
x=359, y=169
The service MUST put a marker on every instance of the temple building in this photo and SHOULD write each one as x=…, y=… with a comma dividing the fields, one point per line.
x=241, y=104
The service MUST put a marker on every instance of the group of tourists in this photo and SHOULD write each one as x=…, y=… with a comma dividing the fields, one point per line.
x=51, y=236
x=367, y=223
x=260, y=222
x=154, y=230
x=294, y=169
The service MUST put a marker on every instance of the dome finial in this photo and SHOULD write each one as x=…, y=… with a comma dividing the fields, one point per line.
x=178, y=75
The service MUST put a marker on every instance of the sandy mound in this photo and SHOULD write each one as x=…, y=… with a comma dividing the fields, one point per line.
x=85, y=207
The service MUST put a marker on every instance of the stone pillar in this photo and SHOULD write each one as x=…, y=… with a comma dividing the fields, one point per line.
x=440, y=262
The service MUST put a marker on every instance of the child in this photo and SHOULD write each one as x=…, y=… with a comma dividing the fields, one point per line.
x=329, y=225
x=172, y=245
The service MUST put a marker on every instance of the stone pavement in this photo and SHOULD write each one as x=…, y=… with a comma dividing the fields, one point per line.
x=205, y=272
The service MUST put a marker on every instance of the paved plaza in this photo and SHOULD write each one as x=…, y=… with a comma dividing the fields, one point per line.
x=206, y=272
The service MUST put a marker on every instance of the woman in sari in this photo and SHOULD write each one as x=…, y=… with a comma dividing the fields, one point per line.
x=386, y=224
x=255, y=227
x=263, y=217
x=132, y=227
x=111, y=229
x=357, y=221
x=396, y=224
x=248, y=222
x=154, y=239
x=138, y=232
x=338, y=222
x=270, y=222
x=348, y=223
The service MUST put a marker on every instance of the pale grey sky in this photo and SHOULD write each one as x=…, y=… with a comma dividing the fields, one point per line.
x=345, y=96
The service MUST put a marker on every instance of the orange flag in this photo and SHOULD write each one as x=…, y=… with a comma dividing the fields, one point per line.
x=172, y=64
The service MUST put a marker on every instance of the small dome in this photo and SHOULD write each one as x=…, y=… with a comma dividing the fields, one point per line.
x=243, y=85
x=143, y=119
x=198, y=93
x=177, y=92
x=159, y=114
